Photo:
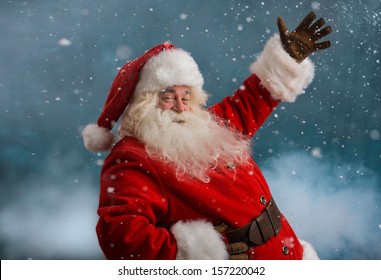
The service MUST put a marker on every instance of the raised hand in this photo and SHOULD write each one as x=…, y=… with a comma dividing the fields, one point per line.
x=302, y=42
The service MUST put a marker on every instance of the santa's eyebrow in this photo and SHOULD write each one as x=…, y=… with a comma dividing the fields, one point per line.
x=172, y=90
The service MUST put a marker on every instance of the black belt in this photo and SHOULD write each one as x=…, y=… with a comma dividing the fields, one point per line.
x=261, y=229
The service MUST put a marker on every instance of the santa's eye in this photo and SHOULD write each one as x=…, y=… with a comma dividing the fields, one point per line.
x=168, y=98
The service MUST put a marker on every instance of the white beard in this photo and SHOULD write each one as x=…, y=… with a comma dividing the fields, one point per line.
x=193, y=142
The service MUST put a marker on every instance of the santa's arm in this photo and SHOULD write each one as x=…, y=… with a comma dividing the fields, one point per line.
x=131, y=210
x=275, y=77
x=281, y=73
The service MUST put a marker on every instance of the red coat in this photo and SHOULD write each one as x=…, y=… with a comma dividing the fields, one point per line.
x=145, y=212
x=141, y=198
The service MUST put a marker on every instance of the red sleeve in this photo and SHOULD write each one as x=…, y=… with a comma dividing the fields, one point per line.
x=248, y=108
x=132, y=201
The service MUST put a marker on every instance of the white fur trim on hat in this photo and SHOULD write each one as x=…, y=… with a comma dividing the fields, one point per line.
x=309, y=252
x=198, y=240
x=169, y=68
x=280, y=74
x=97, y=139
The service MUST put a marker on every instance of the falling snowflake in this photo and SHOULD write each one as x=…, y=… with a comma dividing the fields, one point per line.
x=183, y=16
x=315, y=5
x=374, y=134
x=64, y=42
x=316, y=152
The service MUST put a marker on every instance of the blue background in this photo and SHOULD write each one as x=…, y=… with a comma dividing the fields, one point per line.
x=321, y=155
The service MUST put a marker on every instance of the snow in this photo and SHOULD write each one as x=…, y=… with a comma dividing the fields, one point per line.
x=55, y=46
x=183, y=16
x=342, y=202
x=374, y=134
x=64, y=42
x=315, y=5
x=123, y=53
x=316, y=152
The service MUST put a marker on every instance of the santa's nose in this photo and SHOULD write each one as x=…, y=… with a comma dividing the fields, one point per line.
x=178, y=106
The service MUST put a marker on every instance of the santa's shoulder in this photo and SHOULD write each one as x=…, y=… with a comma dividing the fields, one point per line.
x=128, y=143
x=127, y=149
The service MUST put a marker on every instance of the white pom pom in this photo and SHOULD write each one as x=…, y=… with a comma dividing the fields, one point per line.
x=97, y=139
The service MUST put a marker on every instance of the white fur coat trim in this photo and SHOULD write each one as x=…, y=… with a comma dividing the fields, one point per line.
x=197, y=240
x=280, y=74
x=309, y=252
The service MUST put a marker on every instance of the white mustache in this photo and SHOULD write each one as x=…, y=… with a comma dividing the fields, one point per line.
x=180, y=118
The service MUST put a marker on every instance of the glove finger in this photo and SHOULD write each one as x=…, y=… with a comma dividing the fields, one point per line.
x=237, y=247
x=282, y=26
x=322, y=33
x=303, y=25
x=239, y=257
x=319, y=23
x=285, y=35
x=322, y=45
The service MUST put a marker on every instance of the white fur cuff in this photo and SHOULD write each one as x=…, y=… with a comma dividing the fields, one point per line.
x=280, y=74
x=197, y=240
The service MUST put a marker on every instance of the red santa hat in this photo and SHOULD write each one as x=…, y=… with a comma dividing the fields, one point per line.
x=156, y=69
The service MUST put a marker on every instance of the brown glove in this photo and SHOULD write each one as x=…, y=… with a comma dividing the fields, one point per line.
x=235, y=250
x=301, y=42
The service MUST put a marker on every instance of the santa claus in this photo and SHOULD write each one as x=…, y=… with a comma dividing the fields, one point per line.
x=180, y=183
